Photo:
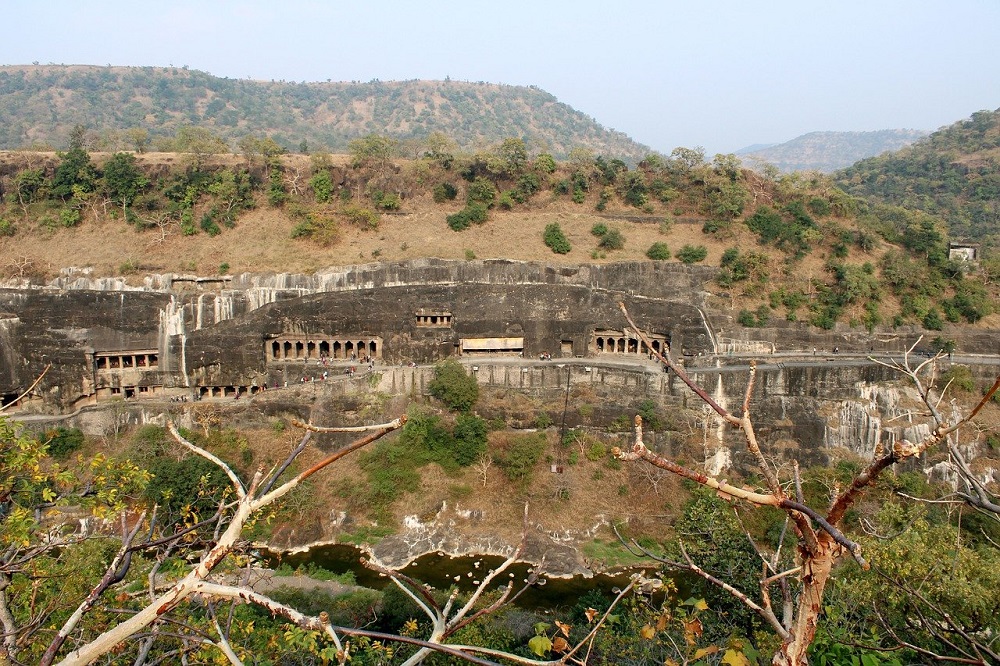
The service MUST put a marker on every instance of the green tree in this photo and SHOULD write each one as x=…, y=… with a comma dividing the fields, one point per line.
x=453, y=386
x=322, y=186
x=138, y=138
x=509, y=159
x=123, y=180
x=373, y=152
x=470, y=438
x=75, y=170
x=200, y=142
x=29, y=186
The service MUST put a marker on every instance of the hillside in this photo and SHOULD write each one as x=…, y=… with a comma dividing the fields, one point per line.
x=785, y=246
x=954, y=174
x=828, y=151
x=39, y=105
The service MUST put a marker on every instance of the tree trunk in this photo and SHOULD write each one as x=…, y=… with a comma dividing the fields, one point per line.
x=815, y=573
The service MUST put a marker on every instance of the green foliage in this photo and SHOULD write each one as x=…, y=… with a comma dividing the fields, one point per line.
x=74, y=170
x=599, y=229
x=597, y=451
x=658, y=251
x=123, y=180
x=69, y=217
x=959, y=377
x=791, y=230
x=473, y=213
x=506, y=201
x=946, y=175
x=614, y=239
x=470, y=438
x=373, y=152
x=444, y=192
x=29, y=185
x=933, y=575
x=320, y=225
x=453, y=386
x=386, y=200
x=189, y=485
x=7, y=228
x=62, y=441
x=322, y=186
x=481, y=191
x=650, y=418
x=277, y=194
x=555, y=239
x=933, y=321
x=545, y=163
x=692, y=254
x=361, y=217
x=519, y=456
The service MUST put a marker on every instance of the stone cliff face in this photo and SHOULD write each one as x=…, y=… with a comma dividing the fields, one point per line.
x=180, y=336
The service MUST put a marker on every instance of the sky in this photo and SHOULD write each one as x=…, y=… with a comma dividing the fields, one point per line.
x=720, y=74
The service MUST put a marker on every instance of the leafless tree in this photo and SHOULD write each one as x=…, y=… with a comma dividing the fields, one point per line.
x=482, y=467
x=820, y=543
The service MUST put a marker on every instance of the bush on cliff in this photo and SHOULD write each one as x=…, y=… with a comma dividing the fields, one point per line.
x=453, y=386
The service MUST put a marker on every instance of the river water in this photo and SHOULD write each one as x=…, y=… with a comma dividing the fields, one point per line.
x=441, y=571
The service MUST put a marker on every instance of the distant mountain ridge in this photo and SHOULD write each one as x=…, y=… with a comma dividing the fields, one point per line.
x=828, y=151
x=41, y=104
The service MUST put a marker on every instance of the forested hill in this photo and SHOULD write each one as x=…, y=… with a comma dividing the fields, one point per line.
x=39, y=105
x=829, y=151
x=953, y=174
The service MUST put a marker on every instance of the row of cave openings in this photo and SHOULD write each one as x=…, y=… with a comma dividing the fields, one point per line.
x=227, y=391
x=125, y=361
x=628, y=345
x=285, y=349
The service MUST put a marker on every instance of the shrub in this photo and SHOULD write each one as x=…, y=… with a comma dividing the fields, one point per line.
x=545, y=163
x=960, y=377
x=191, y=482
x=692, y=254
x=444, y=192
x=933, y=321
x=555, y=239
x=599, y=229
x=658, y=252
x=361, y=217
x=322, y=186
x=386, y=200
x=474, y=213
x=481, y=191
x=453, y=386
x=746, y=318
x=506, y=200
x=69, y=217
x=819, y=206
x=597, y=451
x=7, y=228
x=613, y=240
x=470, y=438
x=519, y=457
x=209, y=226
x=63, y=441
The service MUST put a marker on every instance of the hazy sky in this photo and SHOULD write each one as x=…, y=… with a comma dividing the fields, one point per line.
x=719, y=74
